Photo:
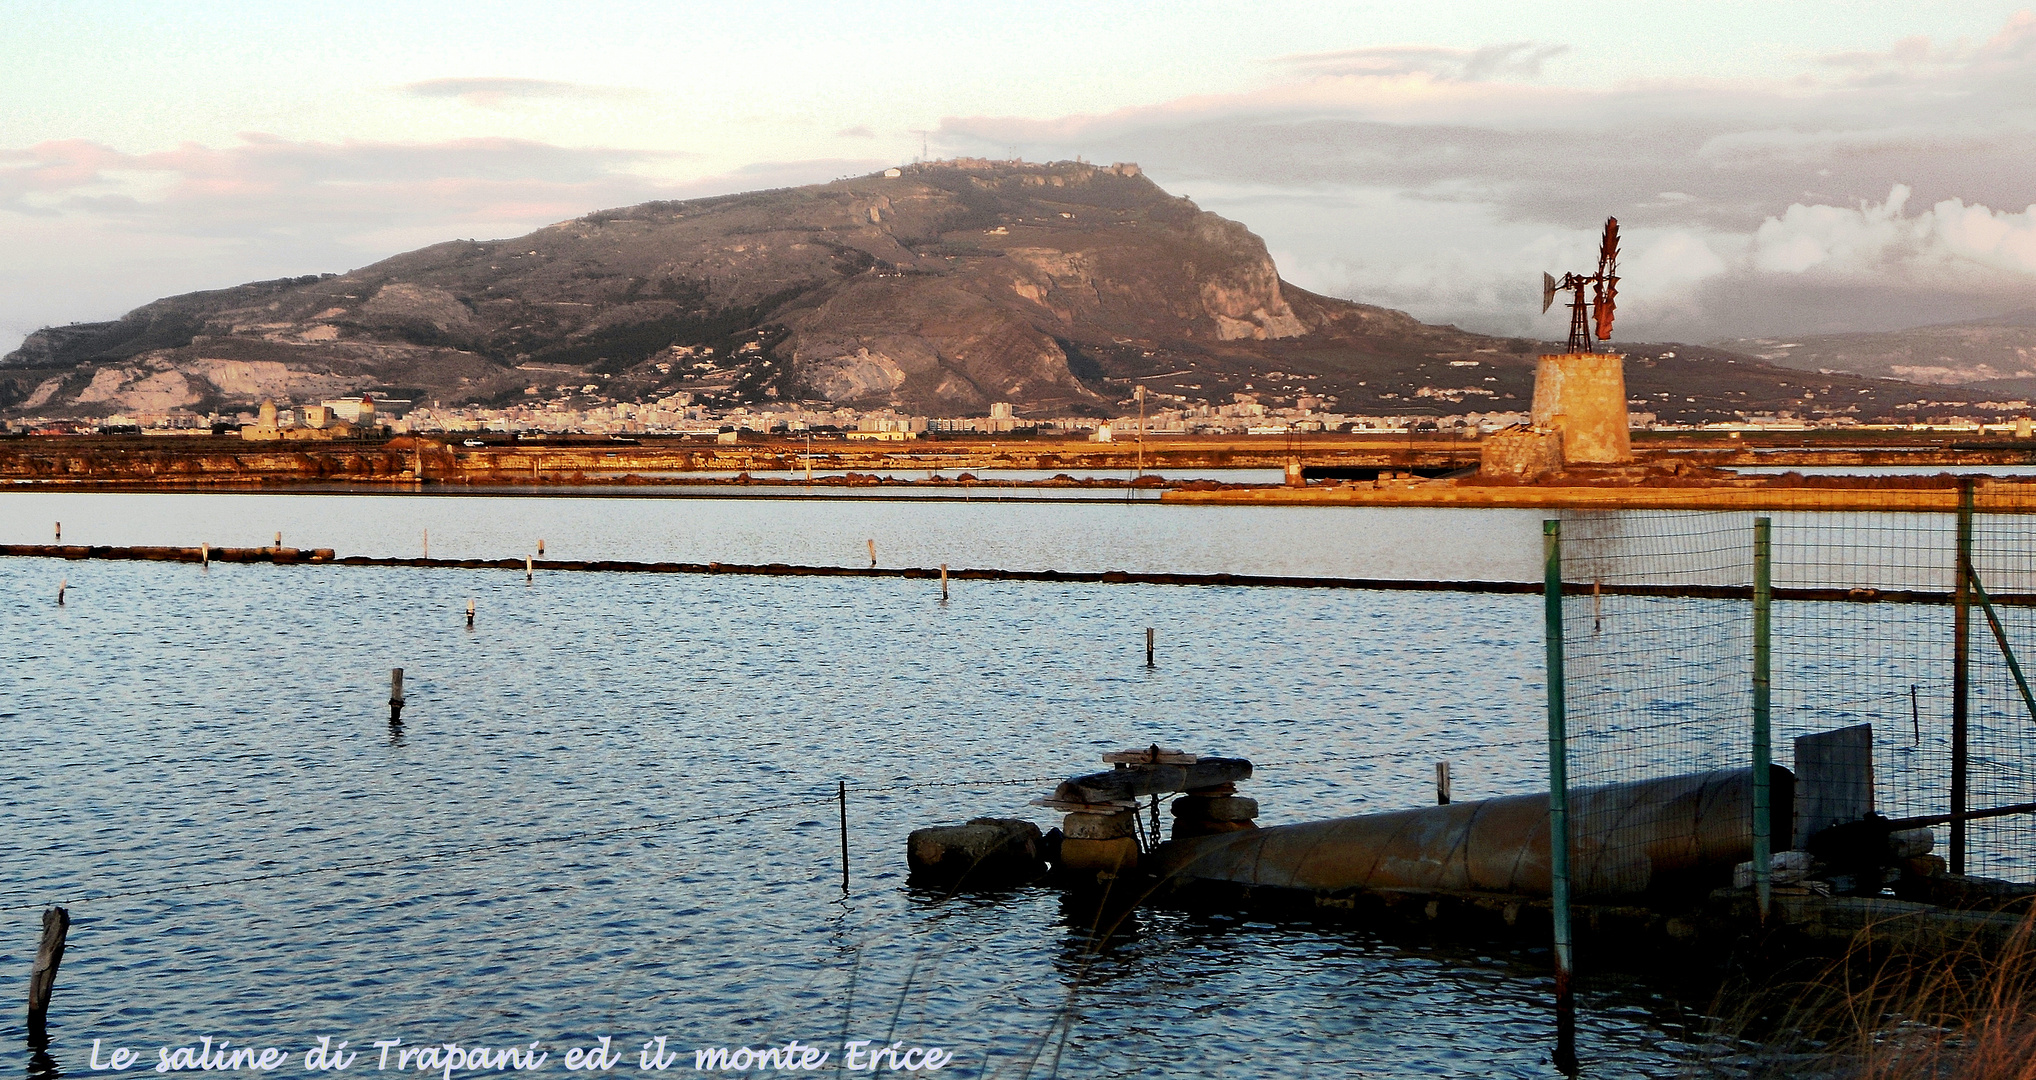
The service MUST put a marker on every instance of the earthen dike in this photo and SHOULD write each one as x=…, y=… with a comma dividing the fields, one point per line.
x=1679, y=470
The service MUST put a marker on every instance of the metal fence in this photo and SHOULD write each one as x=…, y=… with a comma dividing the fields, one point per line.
x=1913, y=622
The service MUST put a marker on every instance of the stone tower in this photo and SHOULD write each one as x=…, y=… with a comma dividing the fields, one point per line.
x=1582, y=396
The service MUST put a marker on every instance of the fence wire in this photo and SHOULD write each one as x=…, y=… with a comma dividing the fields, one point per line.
x=1659, y=650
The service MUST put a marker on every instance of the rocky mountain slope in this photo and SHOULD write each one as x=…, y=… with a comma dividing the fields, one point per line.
x=938, y=290
x=1994, y=357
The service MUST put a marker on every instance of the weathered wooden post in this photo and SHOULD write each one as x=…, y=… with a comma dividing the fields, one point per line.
x=873, y=554
x=395, y=695
x=205, y=556
x=540, y=545
x=1442, y=783
x=279, y=539
x=470, y=613
x=61, y=583
x=60, y=532
x=42, y=980
x=841, y=791
x=427, y=543
x=529, y=573
x=1148, y=646
x=943, y=582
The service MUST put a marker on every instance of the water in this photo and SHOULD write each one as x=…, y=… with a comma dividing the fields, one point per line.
x=1330, y=541
x=547, y=849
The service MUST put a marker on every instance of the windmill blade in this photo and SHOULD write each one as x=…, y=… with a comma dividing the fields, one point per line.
x=1548, y=288
x=1608, y=251
x=1608, y=295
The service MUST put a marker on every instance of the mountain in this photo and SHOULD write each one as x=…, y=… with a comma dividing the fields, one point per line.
x=1996, y=357
x=937, y=288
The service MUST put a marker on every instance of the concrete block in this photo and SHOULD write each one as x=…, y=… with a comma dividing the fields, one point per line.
x=1520, y=454
x=1098, y=826
x=1219, y=808
x=1084, y=857
x=985, y=853
x=1189, y=828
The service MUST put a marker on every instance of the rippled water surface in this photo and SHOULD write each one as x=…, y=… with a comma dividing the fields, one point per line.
x=554, y=845
x=1334, y=541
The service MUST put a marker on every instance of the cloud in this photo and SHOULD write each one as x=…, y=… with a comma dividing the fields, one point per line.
x=92, y=231
x=1513, y=60
x=1880, y=240
x=1782, y=180
x=496, y=93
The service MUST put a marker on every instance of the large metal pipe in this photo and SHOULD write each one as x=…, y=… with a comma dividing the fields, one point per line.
x=1628, y=839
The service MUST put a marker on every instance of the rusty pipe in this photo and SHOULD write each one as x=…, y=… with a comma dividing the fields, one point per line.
x=1628, y=839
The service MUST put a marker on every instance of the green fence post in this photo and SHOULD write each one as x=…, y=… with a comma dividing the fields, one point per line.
x=1961, y=673
x=1763, y=686
x=1558, y=796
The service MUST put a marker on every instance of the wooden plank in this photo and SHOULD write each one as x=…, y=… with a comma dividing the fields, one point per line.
x=1129, y=783
x=1147, y=757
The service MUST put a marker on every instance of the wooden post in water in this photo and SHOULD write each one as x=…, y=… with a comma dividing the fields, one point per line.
x=873, y=554
x=1442, y=783
x=396, y=695
x=470, y=613
x=42, y=979
x=279, y=539
x=841, y=791
x=529, y=573
x=540, y=545
x=1148, y=646
x=943, y=583
x=427, y=543
x=60, y=532
x=61, y=583
x=205, y=556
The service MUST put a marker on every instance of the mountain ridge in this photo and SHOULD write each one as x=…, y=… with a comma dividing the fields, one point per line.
x=937, y=288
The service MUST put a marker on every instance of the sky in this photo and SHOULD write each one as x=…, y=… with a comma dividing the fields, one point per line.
x=1777, y=168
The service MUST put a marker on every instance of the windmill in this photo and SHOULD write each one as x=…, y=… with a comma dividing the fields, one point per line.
x=1604, y=286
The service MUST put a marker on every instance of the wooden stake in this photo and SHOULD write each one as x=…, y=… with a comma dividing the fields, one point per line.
x=396, y=695
x=61, y=583
x=528, y=573
x=540, y=545
x=42, y=980
x=60, y=532
x=1148, y=646
x=873, y=554
x=279, y=539
x=841, y=790
x=943, y=582
x=427, y=543
x=1442, y=783
x=205, y=556
x=470, y=613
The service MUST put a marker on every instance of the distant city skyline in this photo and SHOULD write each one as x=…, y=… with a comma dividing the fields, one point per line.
x=1779, y=168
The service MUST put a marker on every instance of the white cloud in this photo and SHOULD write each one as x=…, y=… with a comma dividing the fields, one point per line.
x=1880, y=240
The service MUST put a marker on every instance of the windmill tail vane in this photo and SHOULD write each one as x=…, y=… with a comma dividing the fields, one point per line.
x=1603, y=292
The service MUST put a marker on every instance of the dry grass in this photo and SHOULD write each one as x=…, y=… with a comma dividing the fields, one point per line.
x=1963, y=1011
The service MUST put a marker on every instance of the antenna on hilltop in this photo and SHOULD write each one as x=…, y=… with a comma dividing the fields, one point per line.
x=924, y=155
x=1604, y=292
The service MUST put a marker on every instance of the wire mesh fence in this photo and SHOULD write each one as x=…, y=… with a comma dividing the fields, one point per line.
x=1866, y=620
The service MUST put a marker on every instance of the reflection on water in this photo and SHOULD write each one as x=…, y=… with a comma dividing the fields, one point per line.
x=1345, y=541
x=171, y=727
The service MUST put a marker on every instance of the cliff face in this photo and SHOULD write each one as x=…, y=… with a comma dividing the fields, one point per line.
x=941, y=290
